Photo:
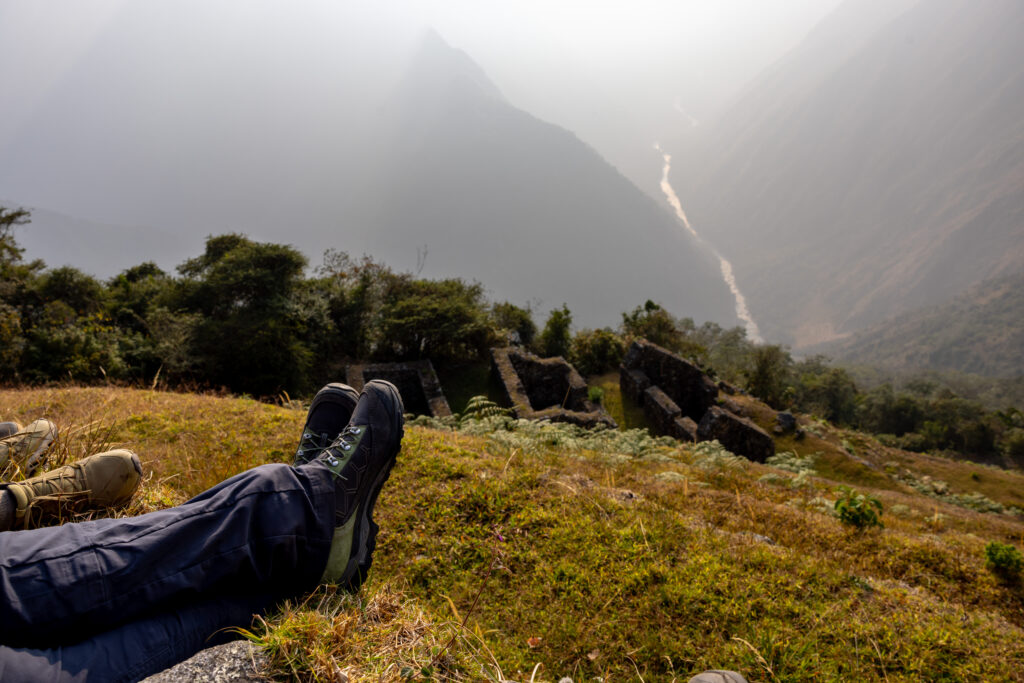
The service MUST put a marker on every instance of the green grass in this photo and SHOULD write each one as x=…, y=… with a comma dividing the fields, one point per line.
x=541, y=553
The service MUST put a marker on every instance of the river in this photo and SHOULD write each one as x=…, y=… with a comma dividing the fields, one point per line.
x=742, y=312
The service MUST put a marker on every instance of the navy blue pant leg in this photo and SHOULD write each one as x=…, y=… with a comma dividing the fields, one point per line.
x=137, y=649
x=263, y=532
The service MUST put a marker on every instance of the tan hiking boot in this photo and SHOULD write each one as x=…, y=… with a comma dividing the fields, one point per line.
x=25, y=448
x=99, y=481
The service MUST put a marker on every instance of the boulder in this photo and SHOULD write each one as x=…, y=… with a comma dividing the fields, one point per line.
x=785, y=423
x=660, y=410
x=738, y=434
x=685, y=429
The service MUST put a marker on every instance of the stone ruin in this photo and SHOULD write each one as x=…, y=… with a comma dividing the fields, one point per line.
x=544, y=389
x=416, y=381
x=680, y=400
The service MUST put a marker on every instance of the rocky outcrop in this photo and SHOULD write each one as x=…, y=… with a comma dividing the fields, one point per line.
x=416, y=381
x=739, y=435
x=544, y=389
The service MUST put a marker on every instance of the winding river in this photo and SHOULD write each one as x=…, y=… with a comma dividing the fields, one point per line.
x=742, y=312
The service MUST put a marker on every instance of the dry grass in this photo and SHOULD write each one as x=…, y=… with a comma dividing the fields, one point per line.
x=535, y=560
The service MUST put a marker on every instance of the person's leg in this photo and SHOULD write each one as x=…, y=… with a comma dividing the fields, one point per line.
x=139, y=648
x=267, y=530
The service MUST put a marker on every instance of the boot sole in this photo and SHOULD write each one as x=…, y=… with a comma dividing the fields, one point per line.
x=359, y=564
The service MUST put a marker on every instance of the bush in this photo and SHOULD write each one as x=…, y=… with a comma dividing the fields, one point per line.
x=596, y=351
x=859, y=510
x=555, y=339
x=1004, y=560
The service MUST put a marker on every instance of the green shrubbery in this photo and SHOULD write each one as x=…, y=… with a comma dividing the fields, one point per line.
x=1004, y=560
x=858, y=510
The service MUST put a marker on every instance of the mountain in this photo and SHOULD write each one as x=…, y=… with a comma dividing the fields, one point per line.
x=980, y=331
x=100, y=249
x=370, y=140
x=525, y=207
x=873, y=171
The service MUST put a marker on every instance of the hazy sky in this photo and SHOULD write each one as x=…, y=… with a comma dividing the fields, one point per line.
x=598, y=67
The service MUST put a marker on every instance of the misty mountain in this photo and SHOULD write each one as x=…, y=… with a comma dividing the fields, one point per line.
x=100, y=249
x=980, y=331
x=367, y=140
x=878, y=169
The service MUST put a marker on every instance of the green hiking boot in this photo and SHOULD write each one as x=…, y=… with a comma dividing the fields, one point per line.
x=100, y=481
x=361, y=459
x=328, y=414
x=25, y=448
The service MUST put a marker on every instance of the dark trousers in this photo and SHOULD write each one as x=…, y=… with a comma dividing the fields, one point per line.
x=120, y=599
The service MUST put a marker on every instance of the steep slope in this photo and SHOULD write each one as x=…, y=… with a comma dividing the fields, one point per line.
x=867, y=177
x=525, y=207
x=980, y=331
x=368, y=140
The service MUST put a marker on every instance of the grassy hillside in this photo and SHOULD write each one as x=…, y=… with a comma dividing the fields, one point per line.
x=533, y=552
x=981, y=331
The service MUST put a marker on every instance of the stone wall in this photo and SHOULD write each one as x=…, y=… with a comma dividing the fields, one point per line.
x=685, y=383
x=676, y=394
x=544, y=389
x=416, y=381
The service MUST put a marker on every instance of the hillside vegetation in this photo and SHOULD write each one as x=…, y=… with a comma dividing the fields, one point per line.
x=979, y=332
x=526, y=551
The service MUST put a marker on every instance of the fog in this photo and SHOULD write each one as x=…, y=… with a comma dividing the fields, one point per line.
x=618, y=75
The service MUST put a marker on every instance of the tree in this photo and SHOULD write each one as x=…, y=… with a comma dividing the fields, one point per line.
x=766, y=378
x=250, y=337
x=518, y=321
x=555, y=339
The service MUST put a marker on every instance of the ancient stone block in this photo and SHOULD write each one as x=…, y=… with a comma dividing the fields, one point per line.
x=633, y=384
x=416, y=381
x=685, y=383
x=739, y=435
x=661, y=410
x=544, y=389
x=684, y=429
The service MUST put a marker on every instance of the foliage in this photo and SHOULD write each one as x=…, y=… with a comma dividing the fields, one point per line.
x=1004, y=560
x=593, y=563
x=596, y=351
x=766, y=378
x=555, y=340
x=859, y=510
x=518, y=322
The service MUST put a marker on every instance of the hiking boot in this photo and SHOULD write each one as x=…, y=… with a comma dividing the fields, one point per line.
x=361, y=459
x=329, y=412
x=100, y=481
x=8, y=428
x=26, y=447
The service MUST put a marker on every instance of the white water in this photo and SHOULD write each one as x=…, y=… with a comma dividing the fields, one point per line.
x=742, y=312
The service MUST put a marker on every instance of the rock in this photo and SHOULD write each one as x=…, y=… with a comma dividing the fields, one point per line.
x=647, y=364
x=785, y=422
x=633, y=384
x=545, y=389
x=734, y=407
x=228, y=663
x=684, y=429
x=738, y=434
x=718, y=676
x=416, y=382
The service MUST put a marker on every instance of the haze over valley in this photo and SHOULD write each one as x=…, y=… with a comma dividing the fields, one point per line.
x=828, y=165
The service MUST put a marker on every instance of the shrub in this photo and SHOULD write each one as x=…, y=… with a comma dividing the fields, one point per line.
x=596, y=351
x=858, y=510
x=595, y=395
x=1004, y=560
